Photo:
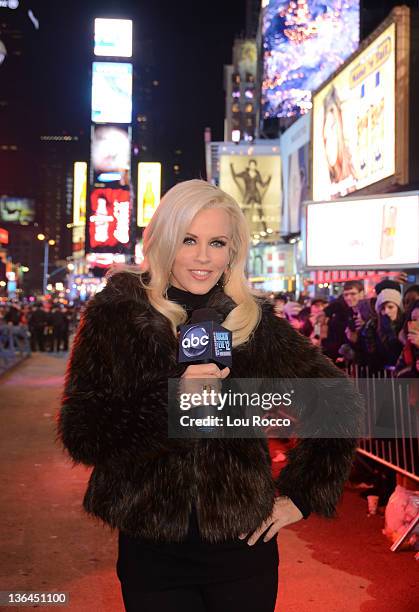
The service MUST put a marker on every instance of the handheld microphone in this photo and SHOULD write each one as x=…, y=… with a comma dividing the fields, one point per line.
x=204, y=340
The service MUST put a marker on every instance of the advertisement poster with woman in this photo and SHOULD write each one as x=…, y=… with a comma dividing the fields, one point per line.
x=294, y=145
x=255, y=182
x=354, y=123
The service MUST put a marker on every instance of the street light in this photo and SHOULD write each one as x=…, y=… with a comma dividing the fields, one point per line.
x=47, y=244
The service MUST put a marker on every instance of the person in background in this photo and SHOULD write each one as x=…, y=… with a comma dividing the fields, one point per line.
x=304, y=319
x=279, y=301
x=22, y=333
x=37, y=323
x=292, y=311
x=48, y=330
x=387, y=283
x=18, y=330
x=410, y=296
x=378, y=339
x=365, y=308
x=407, y=365
x=12, y=315
x=343, y=314
x=315, y=317
x=66, y=329
x=59, y=329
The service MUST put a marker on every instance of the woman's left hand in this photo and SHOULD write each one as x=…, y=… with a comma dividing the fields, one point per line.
x=284, y=512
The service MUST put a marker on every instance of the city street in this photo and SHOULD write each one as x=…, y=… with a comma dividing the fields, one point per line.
x=48, y=544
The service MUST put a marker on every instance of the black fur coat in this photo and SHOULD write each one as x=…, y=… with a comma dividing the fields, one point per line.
x=114, y=417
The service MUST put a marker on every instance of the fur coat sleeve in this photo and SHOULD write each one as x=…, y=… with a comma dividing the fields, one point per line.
x=114, y=405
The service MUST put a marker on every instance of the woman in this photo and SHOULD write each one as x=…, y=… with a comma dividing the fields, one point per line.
x=338, y=157
x=379, y=344
x=196, y=518
x=407, y=365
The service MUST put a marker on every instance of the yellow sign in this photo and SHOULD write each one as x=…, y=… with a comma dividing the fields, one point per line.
x=149, y=189
x=354, y=122
x=79, y=193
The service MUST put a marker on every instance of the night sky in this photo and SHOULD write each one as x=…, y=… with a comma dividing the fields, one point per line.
x=187, y=43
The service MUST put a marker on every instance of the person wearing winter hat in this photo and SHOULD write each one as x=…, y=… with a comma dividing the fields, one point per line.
x=389, y=302
x=379, y=340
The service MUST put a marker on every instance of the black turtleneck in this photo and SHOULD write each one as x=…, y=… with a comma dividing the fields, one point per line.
x=190, y=301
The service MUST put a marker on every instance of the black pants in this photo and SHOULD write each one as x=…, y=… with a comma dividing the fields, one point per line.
x=246, y=595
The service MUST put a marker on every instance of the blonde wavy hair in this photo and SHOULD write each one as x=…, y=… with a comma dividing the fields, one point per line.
x=165, y=234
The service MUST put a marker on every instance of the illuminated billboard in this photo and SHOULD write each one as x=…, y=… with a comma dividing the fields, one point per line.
x=378, y=232
x=294, y=145
x=149, y=186
x=17, y=210
x=79, y=193
x=78, y=240
x=104, y=260
x=109, y=218
x=111, y=154
x=354, y=122
x=4, y=236
x=254, y=181
x=113, y=37
x=245, y=59
x=111, y=92
x=304, y=42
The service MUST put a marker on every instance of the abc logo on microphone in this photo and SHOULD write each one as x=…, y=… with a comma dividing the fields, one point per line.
x=195, y=341
x=205, y=342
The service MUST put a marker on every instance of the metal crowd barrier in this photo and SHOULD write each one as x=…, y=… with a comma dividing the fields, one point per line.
x=400, y=453
x=14, y=346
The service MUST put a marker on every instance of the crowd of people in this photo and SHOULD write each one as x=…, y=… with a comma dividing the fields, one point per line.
x=377, y=334
x=28, y=328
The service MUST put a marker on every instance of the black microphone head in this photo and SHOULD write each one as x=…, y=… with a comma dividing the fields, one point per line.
x=206, y=314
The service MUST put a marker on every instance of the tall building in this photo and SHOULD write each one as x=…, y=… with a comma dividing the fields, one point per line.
x=252, y=17
x=18, y=37
x=241, y=94
x=57, y=154
x=19, y=173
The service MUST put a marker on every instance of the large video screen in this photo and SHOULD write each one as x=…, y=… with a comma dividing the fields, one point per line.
x=111, y=92
x=363, y=232
x=304, y=42
x=255, y=183
x=113, y=37
x=354, y=122
x=17, y=210
x=111, y=155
